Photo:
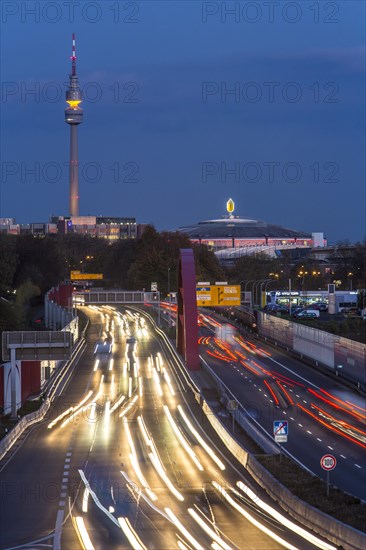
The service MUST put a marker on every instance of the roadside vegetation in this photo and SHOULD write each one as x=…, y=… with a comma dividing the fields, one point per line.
x=313, y=490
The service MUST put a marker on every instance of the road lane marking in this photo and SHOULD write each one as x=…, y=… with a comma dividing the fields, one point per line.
x=358, y=466
x=58, y=530
x=331, y=448
x=343, y=456
x=318, y=438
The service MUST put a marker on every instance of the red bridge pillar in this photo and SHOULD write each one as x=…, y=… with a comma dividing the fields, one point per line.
x=187, y=325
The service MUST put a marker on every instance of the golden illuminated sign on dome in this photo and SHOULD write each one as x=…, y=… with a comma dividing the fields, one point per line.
x=230, y=206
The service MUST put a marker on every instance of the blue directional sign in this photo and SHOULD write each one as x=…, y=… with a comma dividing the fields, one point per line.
x=280, y=430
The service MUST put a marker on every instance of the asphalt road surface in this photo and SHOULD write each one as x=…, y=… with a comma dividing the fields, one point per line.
x=122, y=462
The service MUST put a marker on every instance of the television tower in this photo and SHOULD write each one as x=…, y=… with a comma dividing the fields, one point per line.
x=74, y=116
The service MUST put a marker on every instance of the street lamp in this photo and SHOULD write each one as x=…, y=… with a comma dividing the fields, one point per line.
x=169, y=297
x=259, y=286
x=255, y=289
x=265, y=286
x=247, y=282
x=242, y=291
x=245, y=289
x=350, y=275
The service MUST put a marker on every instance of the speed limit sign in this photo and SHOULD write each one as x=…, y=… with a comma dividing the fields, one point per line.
x=328, y=462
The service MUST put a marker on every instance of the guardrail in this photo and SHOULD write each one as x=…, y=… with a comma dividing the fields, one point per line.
x=339, y=533
x=8, y=441
x=243, y=417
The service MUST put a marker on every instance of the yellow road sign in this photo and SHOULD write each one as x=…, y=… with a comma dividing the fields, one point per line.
x=78, y=276
x=218, y=295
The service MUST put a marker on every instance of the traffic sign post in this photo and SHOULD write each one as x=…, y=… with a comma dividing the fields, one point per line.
x=328, y=463
x=280, y=431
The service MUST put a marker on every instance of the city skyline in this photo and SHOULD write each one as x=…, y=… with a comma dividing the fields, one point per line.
x=235, y=108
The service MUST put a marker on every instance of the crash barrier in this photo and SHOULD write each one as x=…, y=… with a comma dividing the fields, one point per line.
x=342, y=356
x=242, y=416
x=339, y=533
x=8, y=441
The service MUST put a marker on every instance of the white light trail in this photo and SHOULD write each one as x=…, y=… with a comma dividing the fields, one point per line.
x=157, y=382
x=157, y=361
x=85, y=500
x=83, y=533
x=250, y=518
x=207, y=448
x=129, y=407
x=117, y=403
x=132, y=488
x=135, y=464
x=96, y=499
x=168, y=381
x=96, y=364
x=160, y=470
x=144, y=432
x=283, y=520
x=211, y=533
x=131, y=534
x=173, y=518
x=70, y=410
x=93, y=409
x=181, y=438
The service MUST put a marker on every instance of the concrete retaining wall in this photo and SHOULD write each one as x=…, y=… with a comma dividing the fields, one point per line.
x=326, y=526
x=341, y=355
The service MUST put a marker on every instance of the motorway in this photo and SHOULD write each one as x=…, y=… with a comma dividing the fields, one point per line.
x=324, y=416
x=121, y=461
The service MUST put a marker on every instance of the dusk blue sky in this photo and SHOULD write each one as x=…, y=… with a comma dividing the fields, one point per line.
x=174, y=136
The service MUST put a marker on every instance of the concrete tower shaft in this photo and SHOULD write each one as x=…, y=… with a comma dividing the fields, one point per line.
x=74, y=116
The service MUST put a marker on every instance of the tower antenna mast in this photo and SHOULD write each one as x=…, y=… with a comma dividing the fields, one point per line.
x=73, y=117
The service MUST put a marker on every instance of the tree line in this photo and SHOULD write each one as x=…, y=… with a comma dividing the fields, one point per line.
x=30, y=266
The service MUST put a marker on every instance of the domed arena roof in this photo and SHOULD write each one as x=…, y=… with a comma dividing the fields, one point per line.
x=240, y=228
